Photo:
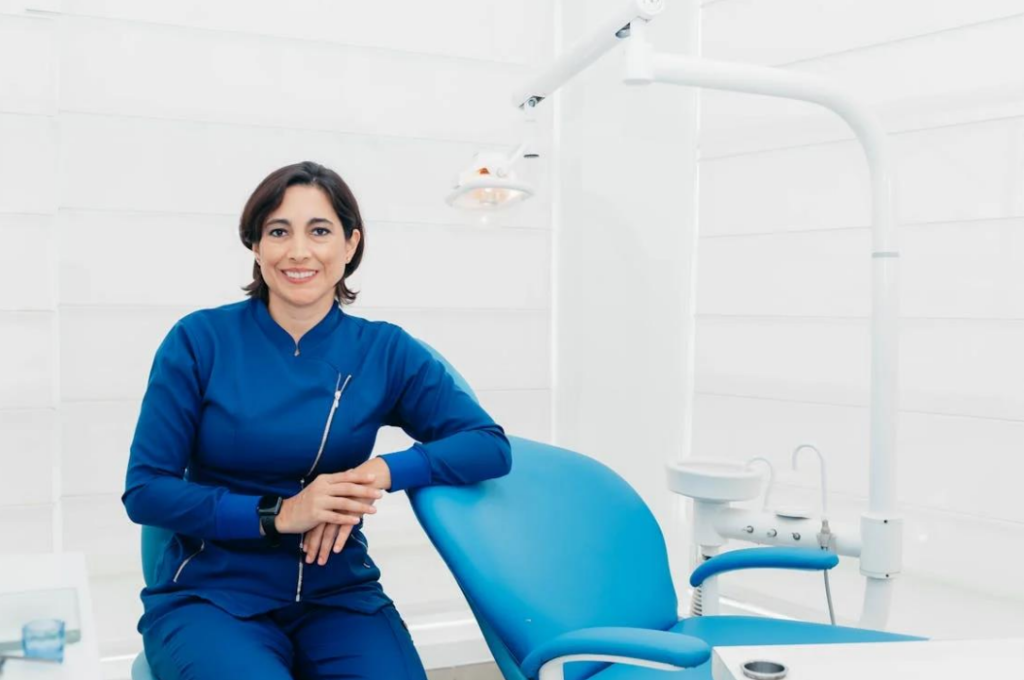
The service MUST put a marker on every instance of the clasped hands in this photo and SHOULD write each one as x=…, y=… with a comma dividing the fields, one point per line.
x=326, y=510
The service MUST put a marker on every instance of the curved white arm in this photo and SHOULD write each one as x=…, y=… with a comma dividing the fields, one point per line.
x=824, y=480
x=555, y=669
x=683, y=70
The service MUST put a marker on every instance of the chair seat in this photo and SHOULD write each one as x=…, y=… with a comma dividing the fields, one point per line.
x=140, y=668
x=730, y=631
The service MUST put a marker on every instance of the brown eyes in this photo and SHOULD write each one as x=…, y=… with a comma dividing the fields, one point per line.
x=281, y=231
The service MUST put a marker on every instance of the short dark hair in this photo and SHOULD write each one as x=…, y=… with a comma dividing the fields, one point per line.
x=268, y=197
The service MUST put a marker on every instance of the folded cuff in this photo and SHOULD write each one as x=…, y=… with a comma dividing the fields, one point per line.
x=236, y=517
x=409, y=468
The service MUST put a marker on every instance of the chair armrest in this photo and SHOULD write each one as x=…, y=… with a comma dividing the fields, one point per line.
x=656, y=648
x=808, y=559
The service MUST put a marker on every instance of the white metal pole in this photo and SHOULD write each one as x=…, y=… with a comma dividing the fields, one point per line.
x=586, y=51
x=683, y=70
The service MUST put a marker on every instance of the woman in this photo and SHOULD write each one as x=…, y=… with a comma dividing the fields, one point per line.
x=253, y=446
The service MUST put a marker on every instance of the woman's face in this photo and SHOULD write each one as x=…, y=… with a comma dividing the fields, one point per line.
x=303, y=250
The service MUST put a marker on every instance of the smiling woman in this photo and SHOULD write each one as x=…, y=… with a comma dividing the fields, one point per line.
x=253, y=448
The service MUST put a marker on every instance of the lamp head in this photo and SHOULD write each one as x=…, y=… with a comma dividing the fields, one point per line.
x=488, y=184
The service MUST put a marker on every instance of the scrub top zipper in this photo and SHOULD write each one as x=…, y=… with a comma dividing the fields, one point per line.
x=338, y=389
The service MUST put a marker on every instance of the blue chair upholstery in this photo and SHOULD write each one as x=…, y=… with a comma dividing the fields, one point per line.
x=154, y=539
x=563, y=543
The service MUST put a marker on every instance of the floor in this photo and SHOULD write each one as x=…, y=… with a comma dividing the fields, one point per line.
x=481, y=671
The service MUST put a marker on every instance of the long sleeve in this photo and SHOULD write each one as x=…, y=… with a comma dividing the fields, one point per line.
x=458, y=442
x=156, y=493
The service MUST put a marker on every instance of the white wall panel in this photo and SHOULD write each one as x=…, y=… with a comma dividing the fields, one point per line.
x=117, y=607
x=96, y=438
x=954, y=367
x=107, y=352
x=495, y=350
x=118, y=163
x=794, y=359
x=28, y=65
x=777, y=32
x=99, y=527
x=953, y=270
x=964, y=270
x=951, y=367
x=27, y=274
x=788, y=190
x=824, y=186
x=417, y=580
x=138, y=258
x=932, y=451
x=740, y=428
x=799, y=274
x=492, y=349
x=965, y=465
x=961, y=173
x=462, y=267
x=28, y=164
x=28, y=454
x=975, y=60
x=26, y=529
x=27, y=363
x=463, y=28
x=522, y=413
x=113, y=67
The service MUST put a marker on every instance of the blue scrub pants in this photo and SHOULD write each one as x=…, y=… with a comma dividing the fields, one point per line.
x=198, y=641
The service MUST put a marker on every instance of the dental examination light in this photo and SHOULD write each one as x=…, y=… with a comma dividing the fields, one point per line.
x=491, y=182
x=878, y=537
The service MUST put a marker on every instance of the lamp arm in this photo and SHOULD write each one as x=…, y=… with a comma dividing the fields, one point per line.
x=586, y=51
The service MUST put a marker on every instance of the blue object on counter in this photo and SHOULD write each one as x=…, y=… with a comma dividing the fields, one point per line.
x=43, y=639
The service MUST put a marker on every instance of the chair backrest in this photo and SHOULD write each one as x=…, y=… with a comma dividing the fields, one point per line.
x=560, y=543
x=154, y=540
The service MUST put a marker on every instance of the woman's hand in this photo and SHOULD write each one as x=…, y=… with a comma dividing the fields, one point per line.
x=324, y=538
x=338, y=499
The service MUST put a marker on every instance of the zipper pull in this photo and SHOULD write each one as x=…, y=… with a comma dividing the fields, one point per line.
x=296, y=349
x=338, y=389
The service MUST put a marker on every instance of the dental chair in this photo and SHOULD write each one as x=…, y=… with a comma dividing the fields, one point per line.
x=566, y=571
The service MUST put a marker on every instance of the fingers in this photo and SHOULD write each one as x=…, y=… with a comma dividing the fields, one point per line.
x=329, y=534
x=340, y=518
x=312, y=540
x=350, y=476
x=342, y=504
x=342, y=538
x=353, y=490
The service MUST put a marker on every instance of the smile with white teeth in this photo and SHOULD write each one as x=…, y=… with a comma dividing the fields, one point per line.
x=299, y=276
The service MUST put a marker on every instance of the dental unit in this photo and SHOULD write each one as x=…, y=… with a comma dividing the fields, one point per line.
x=876, y=538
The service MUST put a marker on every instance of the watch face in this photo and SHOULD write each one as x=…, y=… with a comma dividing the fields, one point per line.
x=270, y=505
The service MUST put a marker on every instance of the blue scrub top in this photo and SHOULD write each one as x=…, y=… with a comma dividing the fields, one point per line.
x=236, y=409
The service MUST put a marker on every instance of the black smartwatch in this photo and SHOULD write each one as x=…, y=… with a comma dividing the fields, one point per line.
x=268, y=508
